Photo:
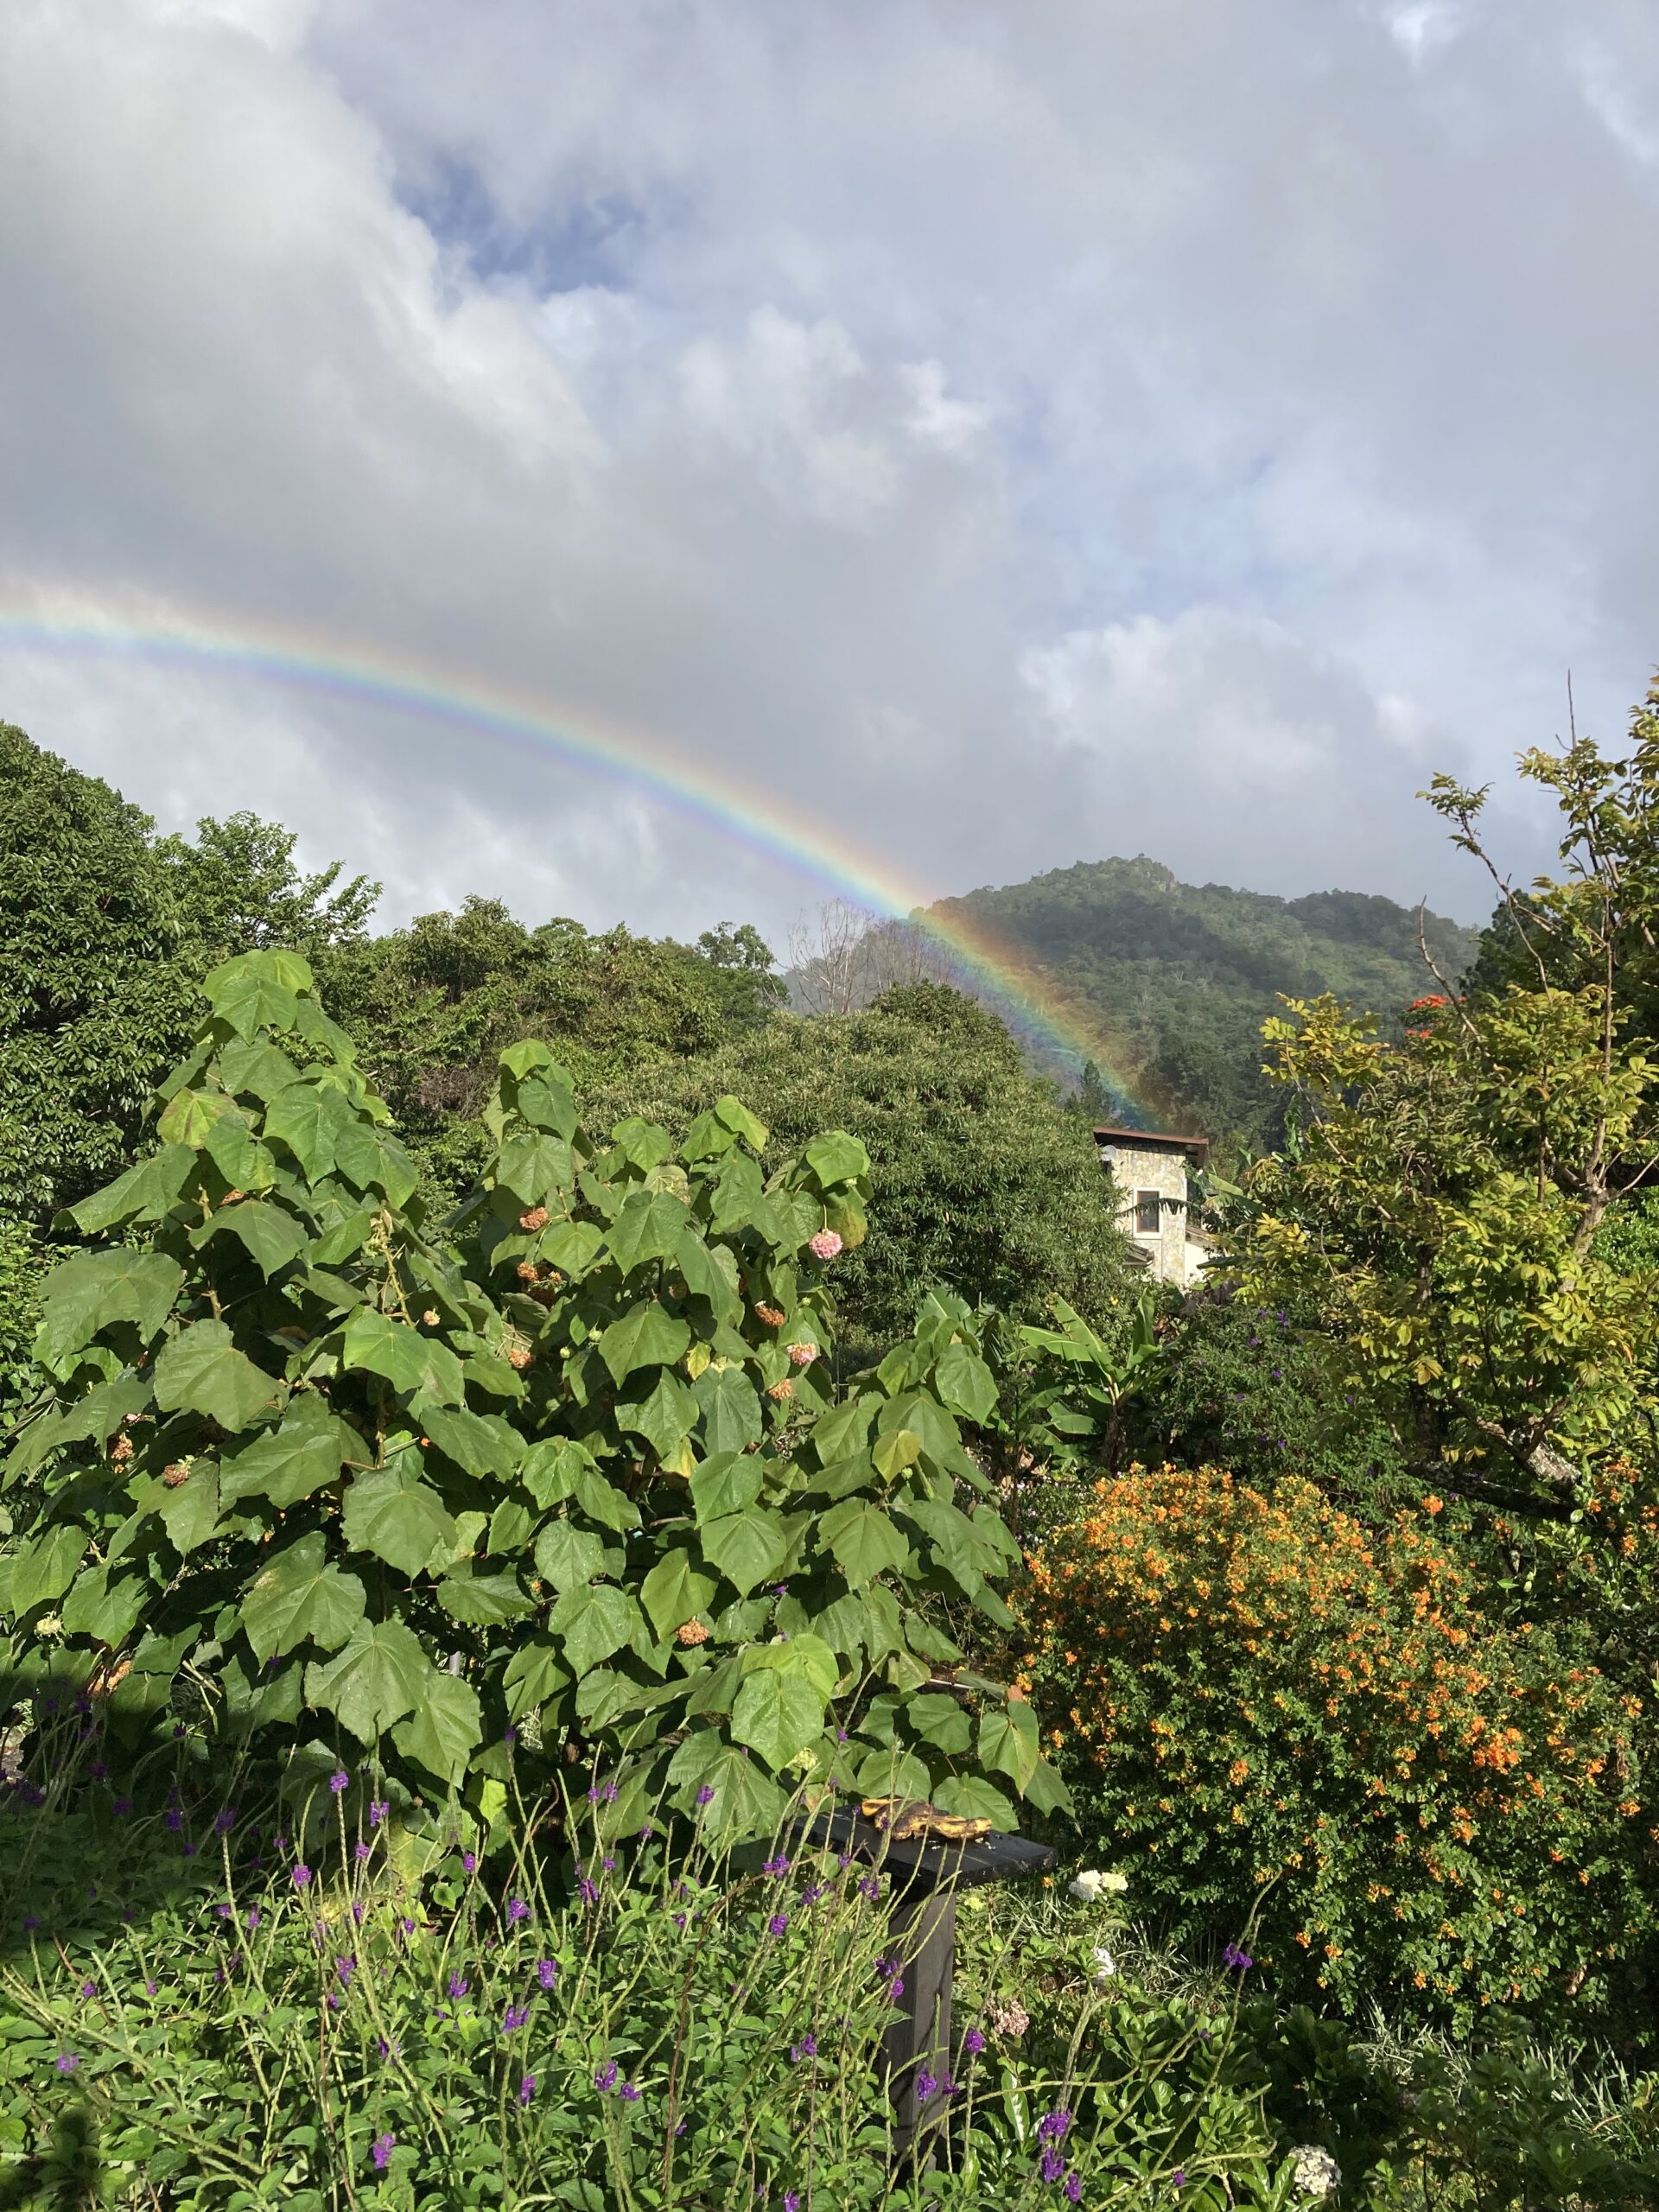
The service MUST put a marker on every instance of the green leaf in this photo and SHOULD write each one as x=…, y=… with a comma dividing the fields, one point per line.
x=1008, y=1744
x=92, y=1418
x=602, y=1502
x=238, y=1154
x=287, y=1464
x=805, y=1655
x=965, y=1383
x=482, y=1444
x=747, y=1547
x=274, y=1239
x=548, y=1105
x=201, y=1369
x=408, y=1360
x=646, y=1336
x=710, y=1273
x=552, y=1470
x=837, y=1158
x=567, y=1557
x=525, y=1057
x=641, y=1143
x=592, y=1622
x=674, y=1593
x=344, y=1239
x=367, y=1157
x=1046, y=1792
x=190, y=1115
x=391, y=1512
x=894, y=1773
x=43, y=1569
x=307, y=1117
x=973, y=1797
x=251, y=996
x=533, y=1675
x=925, y=1418
x=731, y=1409
x=532, y=1165
x=648, y=1227
x=895, y=1451
x=665, y=1419
x=738, y=1119
x=843, y=1432
x=743, y=1800
x=707, y=1138
x=445, y=1729
x=572, y=1246
x=865, y=1543
x=483, y=1600
x=88, y=1293
x=188, y=1510
x=510, y=1529
x=145, y=1193
x=777, y=1714
x=258, y=1067
x=381, y=1674
x=299, y=1594
x=726, y=1484
x=106, y=1611
x=939, y=1720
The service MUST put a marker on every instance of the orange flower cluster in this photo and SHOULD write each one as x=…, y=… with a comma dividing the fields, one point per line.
x=1294, y=1714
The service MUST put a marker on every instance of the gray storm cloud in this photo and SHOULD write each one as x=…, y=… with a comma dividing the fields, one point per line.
x=994, y=436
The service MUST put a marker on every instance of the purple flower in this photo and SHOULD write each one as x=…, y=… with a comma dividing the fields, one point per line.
x=345, y=1968
x=377, y=1810
x=628, y=2094
x=679, y=1920
x=592, y=1794
x=67, y=2061
x=225, y=1821
x=807, y=2048
x=89, y=1989
x=869, y=1887
x=1232, y=1957
x=510, y=1735
x=1052, y=2125
x=547, y=1972
x=587, y=1891
x=189, y=1851
x=926, y=2087
x=468, y=1861
x=357, y=1913
x=223, y=1911
x=121, y=1808
x=608, y=1863
x=705, y=1794
x=31, y=1920
x=606, y=2077
x=778, y=1924
x=527, y=2089
x=407, y=1925
x=647, y=1833
x=973, y=2043
x=1178, y=2179
x=175, y=1821
x=775, y=1866
x=610, y=1793
x=457, y=1985
x=1053, y=2163
x=792, y=2196
x=381, y=2152
x=812, y=1893
x=517, y=1910
x=1073, y=2188
x=300, y=1877
x=339, y=1781
x=515, y=2018
x=98, y=1771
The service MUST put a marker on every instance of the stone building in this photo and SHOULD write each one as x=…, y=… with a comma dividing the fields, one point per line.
x=1149, y=1168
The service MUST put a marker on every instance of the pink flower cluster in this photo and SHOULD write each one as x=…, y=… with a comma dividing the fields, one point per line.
x=826, y=1244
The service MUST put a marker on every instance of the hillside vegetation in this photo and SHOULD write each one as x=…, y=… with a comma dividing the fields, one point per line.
x=1178, y=977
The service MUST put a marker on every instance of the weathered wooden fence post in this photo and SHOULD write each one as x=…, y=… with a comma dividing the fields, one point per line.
x=927, y=1871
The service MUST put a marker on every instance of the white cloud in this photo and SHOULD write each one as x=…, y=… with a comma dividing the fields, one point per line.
x=960, y=430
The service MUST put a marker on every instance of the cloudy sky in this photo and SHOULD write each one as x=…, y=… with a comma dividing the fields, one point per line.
x=979, y=435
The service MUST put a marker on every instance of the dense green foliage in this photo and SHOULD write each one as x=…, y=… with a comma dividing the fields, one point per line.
x=987, y=1186
x=1178, y=978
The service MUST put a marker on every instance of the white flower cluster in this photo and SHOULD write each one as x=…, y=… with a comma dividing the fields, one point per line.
x=1105, y=1966
x=1092, y=1884
x=1315, y=2171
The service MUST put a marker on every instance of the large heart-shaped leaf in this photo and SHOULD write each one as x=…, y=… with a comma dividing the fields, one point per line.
x=380, y=1675
x=645, y=1336
x=802, y=1653
x=257, y=1067
x=408, y=1360
x=674, y=1593
x=1008, y=1742
x=482, y=1444
x=552, y=1470
x=42, y=1569
x=143, y=1193
x=483, y=1600
x=665, y=1419
x=534, y=1165
x=444, y=1729
x=777, y=1714
x=865, y=1543
x=202, y=1369
x=648, y=1227
x=244, y=1163
x=592, y=1622
x=372, y=1160
x=188, y=1510
x=747, y=1547
x=533, y=1675
x=307, y=1117
x=547, y=1104
x=287, y=1464
x=391, y=1512
x=726, y=1484
x=731, y=1409
x=189, y=1114
x=274, y=1239
x=965, y=1383
x=837, y=1158
x=974, y=1798
x=93, y=1289
x=743, y=1800
x=300, y=1594
x=567, y=1557
x=709, y=1271
x=107, y=1611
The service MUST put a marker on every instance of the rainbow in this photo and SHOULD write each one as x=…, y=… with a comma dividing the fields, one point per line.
x=1055, y=1033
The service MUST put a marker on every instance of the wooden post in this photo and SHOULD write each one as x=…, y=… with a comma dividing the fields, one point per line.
x=926, y=1873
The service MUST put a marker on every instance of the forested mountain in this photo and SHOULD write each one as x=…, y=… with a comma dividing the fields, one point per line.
x=1177, y=978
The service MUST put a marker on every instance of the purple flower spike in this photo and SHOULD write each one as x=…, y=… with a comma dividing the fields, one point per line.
x=628, y=2094
x=547, y=1971
x=457, y=1985
x=973, y=2043
x=1178, y=2179
x=776, y=1867
x=647, y=1833
x=175, y=1821
x=1052, y=2125
x=587, y=1891
x=381, y=2152
x=792, y=2200
x=226, y=1821
x=610, y=1793
x=253, y=1917
x=121, y=1808
x=1053, y=2163
x=345, y=1968
x=1073, y=2188
x=606, y=2077
x=89, y=1989
x=339, y=1781
x=300, y=1877
x=515, y=2018
x=807, y=2048
x=927, y=2086
x=377, y=1810
x=469, y=1862
x=1241, y=1960
x=527, y=2089
x=67, y=2061
x=517, y=1910
x=778, y=1924
x=361, y=1851
x=705, y=1794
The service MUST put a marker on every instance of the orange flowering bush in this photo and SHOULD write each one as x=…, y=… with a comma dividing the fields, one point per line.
x=1279, y=1712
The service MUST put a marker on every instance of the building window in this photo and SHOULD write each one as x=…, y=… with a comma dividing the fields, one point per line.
x=1146, y=1214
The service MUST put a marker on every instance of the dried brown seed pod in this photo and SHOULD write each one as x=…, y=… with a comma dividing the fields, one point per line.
x=178, y=1473
x=120, y=1450
x=691, y=1632
x=783, y=1390
x=770, y=1315
x=430, y=1317
x=527, y=1271
x=535, y=1219
x=519, y=1356
x=231, y=1197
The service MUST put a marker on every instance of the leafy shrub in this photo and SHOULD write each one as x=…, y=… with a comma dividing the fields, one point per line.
x=1284, y=1715
x=300, y=1449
